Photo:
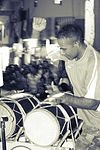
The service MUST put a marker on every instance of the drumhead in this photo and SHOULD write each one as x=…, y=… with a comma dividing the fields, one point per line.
x=6, y=111
x=42, y=127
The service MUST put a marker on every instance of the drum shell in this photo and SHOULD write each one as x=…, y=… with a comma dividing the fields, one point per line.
x=25, y=101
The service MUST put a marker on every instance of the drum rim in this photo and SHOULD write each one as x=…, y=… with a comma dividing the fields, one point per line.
x=13, y=115
x=46, y=111
x=14, y=98
x=20, y=146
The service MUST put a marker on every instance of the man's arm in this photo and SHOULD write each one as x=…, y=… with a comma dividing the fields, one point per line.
x=78, y=102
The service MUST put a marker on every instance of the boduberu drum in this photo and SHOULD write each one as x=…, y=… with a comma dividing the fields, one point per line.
x=15, y=107
x=48, y=123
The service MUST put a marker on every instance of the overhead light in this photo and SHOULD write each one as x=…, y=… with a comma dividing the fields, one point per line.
x=58, y=2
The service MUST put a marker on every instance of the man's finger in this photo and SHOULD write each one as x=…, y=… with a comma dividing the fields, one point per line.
x=39, y=20
x=54, y=87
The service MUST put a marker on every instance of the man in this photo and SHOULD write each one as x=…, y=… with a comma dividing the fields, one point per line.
x=82, y=66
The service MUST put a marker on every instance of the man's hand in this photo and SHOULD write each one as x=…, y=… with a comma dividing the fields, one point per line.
x=54, y=93
x=52, y=89
x=55, y=98
x=39, y=24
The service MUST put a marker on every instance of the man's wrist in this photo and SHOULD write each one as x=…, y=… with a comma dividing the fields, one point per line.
x=35, y=34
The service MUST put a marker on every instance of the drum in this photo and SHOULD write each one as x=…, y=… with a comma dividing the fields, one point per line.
x=15, y=107
x=48, y=123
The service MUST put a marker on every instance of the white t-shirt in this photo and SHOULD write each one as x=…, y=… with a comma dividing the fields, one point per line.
x=84, y=75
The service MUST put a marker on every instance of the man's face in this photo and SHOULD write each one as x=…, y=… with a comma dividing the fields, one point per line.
x=68, y=48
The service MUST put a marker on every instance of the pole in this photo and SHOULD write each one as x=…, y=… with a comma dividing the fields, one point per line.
x=2, y=126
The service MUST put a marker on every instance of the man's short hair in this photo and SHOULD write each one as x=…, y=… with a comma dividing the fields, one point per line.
x=71, y=30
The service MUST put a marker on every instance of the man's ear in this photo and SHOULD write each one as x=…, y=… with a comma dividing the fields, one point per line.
x=76, y=44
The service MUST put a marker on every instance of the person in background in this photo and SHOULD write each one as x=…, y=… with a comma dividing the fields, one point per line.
x=83, y=70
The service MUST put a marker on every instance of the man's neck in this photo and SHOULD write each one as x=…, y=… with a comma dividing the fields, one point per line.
x=82, y=49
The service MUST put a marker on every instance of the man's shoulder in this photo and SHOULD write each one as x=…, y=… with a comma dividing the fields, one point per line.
x=93, y=53
x=91, y=48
